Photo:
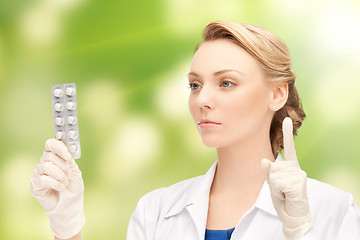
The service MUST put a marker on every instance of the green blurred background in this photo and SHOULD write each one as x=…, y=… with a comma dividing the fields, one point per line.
x=129, y=60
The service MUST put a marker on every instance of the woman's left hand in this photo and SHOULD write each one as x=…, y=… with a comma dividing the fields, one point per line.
x=287, y=184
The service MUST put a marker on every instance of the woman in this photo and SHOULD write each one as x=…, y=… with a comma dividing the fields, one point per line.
x=244, y=103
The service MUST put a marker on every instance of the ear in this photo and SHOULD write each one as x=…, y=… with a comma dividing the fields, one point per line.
x=280, y=93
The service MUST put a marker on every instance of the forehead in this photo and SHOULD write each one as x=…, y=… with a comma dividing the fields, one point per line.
x=219, y=54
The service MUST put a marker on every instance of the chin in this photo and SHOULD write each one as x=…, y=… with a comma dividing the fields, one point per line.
x=223, y=140
x=213, y=142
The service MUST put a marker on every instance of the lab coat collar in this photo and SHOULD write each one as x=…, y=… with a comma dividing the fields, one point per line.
x=264, y=201
x=198, y=192
x=202, y=188
x=197, y=203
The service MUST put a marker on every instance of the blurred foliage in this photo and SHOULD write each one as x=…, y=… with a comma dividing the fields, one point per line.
x=129, y=60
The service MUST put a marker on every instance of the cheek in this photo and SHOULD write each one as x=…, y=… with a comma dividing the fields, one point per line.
x=192, y=107
x=248, y=105
x=258, y=99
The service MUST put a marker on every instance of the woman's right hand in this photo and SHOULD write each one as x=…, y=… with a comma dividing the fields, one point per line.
x=58, y=186
x=288, y=186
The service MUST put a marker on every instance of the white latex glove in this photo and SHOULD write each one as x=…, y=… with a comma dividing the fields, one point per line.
x=58, y=186
x=287, y=184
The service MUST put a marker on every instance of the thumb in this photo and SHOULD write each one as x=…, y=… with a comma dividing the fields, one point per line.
x=266, y=164
x=58, y=147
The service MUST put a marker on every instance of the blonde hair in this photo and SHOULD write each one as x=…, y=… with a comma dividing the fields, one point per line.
x=274, y=58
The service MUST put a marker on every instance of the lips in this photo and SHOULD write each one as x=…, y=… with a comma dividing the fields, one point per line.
x=208, y=123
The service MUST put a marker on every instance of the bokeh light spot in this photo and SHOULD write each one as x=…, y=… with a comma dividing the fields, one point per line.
x=19, y=211
x=101, y=101
x=16, y=175
x=172, y=95
x=42, y=23
x=337, y=96
x=337, y=29
x=202, y=12
x=136, y=142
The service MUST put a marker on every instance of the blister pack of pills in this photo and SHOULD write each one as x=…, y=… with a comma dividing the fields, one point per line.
x=65, y=116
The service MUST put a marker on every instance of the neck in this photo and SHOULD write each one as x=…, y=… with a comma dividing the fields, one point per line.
x=239, y=166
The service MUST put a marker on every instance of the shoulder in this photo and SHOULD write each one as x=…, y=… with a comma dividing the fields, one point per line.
x=321, y=190
x=174, y=190
x=333, y=210
x=327, y=199
x=161, y=200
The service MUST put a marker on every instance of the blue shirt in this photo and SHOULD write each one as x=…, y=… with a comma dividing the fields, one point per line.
x=218, y=234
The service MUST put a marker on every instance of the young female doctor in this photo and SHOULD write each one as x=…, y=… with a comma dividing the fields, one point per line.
x=244, y=103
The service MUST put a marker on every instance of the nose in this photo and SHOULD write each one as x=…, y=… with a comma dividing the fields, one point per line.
x=205, y=98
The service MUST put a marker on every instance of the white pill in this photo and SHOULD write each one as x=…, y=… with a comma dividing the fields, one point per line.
x=58, y=93
x=73, y=148
x=70, y=91
x=59, y=135
x=72, y=134
x=71, y=120
x=59, y=121
x=58, y=107
x=70, y=106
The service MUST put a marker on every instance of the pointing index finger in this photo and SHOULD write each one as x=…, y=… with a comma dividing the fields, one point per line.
x=289, y=146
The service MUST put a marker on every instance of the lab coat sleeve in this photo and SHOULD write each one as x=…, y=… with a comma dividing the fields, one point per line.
x=350, y=225
x=136, y=227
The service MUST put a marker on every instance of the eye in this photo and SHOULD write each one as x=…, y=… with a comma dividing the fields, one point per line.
x=194, y=86
x=226, y=84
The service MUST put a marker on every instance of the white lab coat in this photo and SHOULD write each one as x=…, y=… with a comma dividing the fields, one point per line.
x=179, y=212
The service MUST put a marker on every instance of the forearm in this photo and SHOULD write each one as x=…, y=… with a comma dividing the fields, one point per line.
x=76, y=237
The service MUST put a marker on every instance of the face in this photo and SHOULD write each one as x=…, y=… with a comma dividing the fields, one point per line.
x=230, y=97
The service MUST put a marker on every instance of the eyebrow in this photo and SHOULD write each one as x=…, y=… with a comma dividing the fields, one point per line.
x=218, y=72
